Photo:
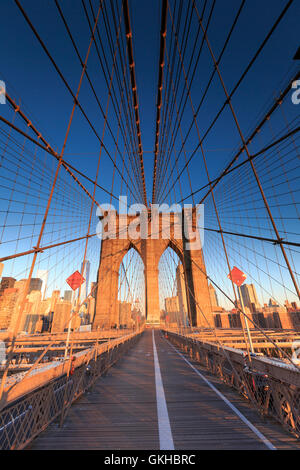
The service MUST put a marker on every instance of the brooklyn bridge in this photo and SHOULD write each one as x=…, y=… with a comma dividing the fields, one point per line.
x=149, y=225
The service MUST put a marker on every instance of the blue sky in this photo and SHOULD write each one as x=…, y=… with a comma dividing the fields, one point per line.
x=30, y=75
x=32, y=81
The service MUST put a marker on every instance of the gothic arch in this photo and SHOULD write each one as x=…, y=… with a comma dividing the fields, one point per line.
x=180, y=278
x=150, y=250
x=131, y=292
x=127, y=249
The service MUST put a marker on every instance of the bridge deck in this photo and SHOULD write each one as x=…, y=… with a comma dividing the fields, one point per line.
x=120, y=412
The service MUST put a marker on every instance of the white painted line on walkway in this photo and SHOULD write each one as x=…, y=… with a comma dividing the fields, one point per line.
x=268, y=444
x=165, y=434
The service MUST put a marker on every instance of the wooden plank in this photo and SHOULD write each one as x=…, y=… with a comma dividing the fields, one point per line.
x=120, y=411
x=200, y=420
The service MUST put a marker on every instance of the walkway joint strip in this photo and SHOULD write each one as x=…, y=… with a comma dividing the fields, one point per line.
x=243, y=418
x=164, y=428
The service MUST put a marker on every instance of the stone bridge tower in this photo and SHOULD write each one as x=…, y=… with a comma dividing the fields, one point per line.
x=150, y=239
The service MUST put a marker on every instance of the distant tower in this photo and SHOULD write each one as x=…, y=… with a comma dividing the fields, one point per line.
x=43, y=275
x=181, y=293
x=35, y=284
x=68, y=295
x=54, y=299
x=250, y=298
x=8, y=307
x=213, y=296
x=7, y=283
x=172, y=310
x=84, y=292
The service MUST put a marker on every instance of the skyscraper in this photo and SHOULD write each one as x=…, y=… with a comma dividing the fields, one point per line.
x=181, y=294
x=84, y=292
x=35, y=284
x=61, y=317
x=249, y=297
x=181, y=290
x=8, y=306
x=213, y=296
x=94, y=290
x=68, y=294
x=7, y=283
x=43, y=275
x=125, y=314
x=54, y=299
x=20, y=285
x=172, y=310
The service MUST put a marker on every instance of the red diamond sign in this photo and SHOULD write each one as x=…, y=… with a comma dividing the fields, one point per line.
x=75, y=280
x=237, y=276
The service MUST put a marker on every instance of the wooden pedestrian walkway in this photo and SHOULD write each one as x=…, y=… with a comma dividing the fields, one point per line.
x=153, y=399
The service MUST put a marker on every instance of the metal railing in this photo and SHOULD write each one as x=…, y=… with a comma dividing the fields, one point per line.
x=26, y=417
x=272, y=386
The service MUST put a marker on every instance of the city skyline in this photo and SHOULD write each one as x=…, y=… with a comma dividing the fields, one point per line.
x=149, y=227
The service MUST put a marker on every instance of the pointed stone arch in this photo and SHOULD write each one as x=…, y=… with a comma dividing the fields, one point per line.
x=151, y=250
x=177, y=247
x=181, y=282
x=131, y=294
x=112, y=255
